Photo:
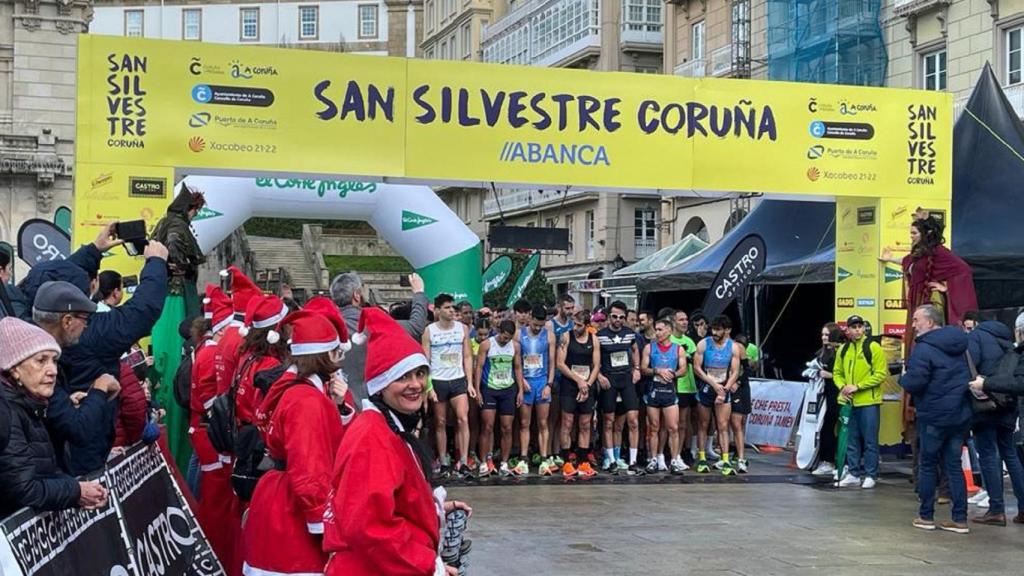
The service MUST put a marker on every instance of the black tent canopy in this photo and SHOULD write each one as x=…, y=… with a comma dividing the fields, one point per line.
x=988, y=199
x=797, y=234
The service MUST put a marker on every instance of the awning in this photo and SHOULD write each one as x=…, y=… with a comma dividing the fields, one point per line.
x=664, y=258
x=558, y=275
x=792, y=231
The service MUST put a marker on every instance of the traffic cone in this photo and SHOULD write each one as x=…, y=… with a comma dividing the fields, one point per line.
x=965, y=465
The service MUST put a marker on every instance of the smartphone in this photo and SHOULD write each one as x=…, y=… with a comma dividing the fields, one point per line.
x=129, y=282
x=225, y=283
x=404, y=281
x=130, y=230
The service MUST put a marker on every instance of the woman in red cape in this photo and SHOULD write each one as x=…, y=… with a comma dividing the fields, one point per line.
x=383, y=517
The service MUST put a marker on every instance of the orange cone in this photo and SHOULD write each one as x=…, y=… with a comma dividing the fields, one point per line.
x=965, y=464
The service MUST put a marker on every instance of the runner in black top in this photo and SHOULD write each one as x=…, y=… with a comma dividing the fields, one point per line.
x=620, y=371
x=579, y=361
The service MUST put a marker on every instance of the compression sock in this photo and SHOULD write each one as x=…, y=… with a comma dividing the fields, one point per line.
x=725, y=457
x=617, y=452
x=632, y=456
x=700, y=455
x=661, y=460
x=609, y=454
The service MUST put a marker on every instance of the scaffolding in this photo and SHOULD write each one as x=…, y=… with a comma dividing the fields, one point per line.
x=826, y=41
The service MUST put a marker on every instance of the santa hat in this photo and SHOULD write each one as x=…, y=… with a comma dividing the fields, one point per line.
x=264, y=312
x=220, y=306
x=325, y=307
x=312, y=333
x=213, y=292
x=390, y=353
x=242, y=289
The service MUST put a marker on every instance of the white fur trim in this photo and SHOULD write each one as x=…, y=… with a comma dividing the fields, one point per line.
x=346, y=418
x=381, y=381
x=273, y=320
x=315, y=528
x=346, y=346
x=439, y=569
x=273, y=337
x=225, y=458
x=207, y=300
x=243, y=331
x=208, y=315
x=314, y=347
x=224, y=273
x=211, y=467
x=358, y=338
x=222, y=325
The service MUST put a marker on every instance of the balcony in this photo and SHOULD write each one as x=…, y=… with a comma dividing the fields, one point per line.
x=731, y=60
x=644, y=247
x=907, y=7
x=1015, y=94
x=544, y=33
x=511, y=201
x=696, y=68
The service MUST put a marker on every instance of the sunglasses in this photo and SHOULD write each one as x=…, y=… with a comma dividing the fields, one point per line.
x=618, y=316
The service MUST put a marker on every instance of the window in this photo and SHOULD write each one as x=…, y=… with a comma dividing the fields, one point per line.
x=697, y=227
x=934, y=69
x=250, y=24
x=1013, y=55
x=309, y=22
x=569, y=223
x=647, y=70
x=642, y=15
x=446, y=9
x=697, y=41
x=644, y=229
x=429, y=53
x=367, y=20
x=192, y=24
x=134, y=23
x=428, y=11
x=467, y=41
x=442, y=51
x=589, y=224
x=549, y=222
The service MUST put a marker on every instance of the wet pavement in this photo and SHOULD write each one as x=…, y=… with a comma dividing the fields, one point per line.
x=774, y=521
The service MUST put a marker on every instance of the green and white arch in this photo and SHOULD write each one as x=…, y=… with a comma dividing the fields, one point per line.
x=412, y=219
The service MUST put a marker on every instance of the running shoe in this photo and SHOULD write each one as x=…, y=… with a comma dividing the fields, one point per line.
x=504, y=471
x=537, y=459
x=741, y=465
x=728, y=470
x=586, y=470
x=473, y=461
x=711, y=453
x=652, y=466
x=568, y=470
x=558, y=461
x=484, y=470
x=521, y=469
x=981, y=495
x=824, y=469
x=592, y=460
x=635, y=470
x=491, y=468
x=547, y=467
x=621, y=467
x=719, y=465
x=702, y=467
x=662, y=467
x=608, y=465
x=463, y=472
x=678, y=467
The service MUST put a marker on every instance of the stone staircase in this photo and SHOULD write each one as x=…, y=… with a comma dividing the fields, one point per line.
x=386, y=287
x=273, y=253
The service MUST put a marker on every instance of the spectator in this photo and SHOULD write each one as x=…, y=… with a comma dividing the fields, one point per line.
x=970, y=321
x=860, y=369
x=110, y=291
x=993, y=432
x=29, y=475
x=184, y=255
x=832, y=336
x=8, y=293
x=937, y=377
x=133, y=407
x=63, y=311
x=106, y=338
x=347, y=293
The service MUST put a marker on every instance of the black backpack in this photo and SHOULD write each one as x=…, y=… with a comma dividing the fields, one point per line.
x=183, y=380
x=220, y=416
x=1007, y=366
x=866, y=348
x=251, y=458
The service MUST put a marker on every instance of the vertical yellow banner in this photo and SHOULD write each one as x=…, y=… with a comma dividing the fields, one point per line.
x=857, y=259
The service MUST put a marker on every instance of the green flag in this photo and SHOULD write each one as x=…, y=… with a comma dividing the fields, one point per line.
x=519, y=288
x=496, y=274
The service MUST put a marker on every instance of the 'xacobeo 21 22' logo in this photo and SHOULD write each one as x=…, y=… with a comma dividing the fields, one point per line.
x=126, y=101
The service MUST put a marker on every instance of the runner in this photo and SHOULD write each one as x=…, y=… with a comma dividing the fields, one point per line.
x=446, y=344
x=481, y=332
x=537, y=345
x=521, y=312
x=686, y=387
x=741, y=405
x=632, y=320
x=717, y=364
x=579, y=361
x=664, y=362
x=560, y=324
x=620, y=371
x=498, y=359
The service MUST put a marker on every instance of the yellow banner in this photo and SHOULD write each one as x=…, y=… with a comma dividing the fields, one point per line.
x=252, y=109
x=857, y=259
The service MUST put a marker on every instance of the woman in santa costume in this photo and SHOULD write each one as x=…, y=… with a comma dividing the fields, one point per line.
x=261, y=350
x=216, y=499
x=303, y=416
x=383, y=517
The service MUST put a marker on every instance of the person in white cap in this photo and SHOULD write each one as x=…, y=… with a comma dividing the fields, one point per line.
x=303, y=420
x=383, y=516
x=29, y=475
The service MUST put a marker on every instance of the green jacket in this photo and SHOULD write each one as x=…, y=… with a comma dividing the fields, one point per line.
x=853, y=368
x=183, y=251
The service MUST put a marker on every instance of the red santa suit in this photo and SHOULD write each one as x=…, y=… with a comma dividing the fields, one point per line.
x=216, y=498
x=284, y=525
x=383, y=518
x=263, y=312
x=242, y=291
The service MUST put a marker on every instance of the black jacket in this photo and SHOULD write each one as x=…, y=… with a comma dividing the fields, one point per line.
x=28, y=468
x=988, y=343
x=937, y=377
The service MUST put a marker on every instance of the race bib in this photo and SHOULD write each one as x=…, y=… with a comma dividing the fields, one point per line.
x=620, y=359
x=501, y=376
x=719, y=375
x=581, y=371
x=533, y=362
x=451, y=360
